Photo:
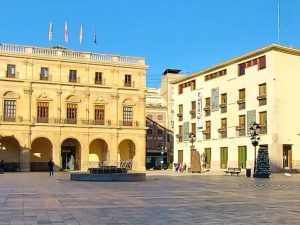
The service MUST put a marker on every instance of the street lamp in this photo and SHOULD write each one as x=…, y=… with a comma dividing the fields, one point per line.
x=254, y=132
x=192, y=140
x=162, y=158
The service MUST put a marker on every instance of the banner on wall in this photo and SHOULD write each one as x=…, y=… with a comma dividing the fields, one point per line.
x=199, y=111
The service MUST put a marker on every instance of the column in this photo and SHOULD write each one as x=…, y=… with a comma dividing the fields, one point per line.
x=27, y=102
x=113, y=149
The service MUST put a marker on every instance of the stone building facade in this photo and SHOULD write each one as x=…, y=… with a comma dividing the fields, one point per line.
x=81, y=109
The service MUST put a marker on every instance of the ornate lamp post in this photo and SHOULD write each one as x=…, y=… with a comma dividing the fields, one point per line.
x=254, y=132
x=192, y=140
x=162, y=157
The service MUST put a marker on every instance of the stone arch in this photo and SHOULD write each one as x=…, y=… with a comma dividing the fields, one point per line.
x=70, y=154
x=98, y=153
x=41, y=153
x=10, y=153
x=126, y=153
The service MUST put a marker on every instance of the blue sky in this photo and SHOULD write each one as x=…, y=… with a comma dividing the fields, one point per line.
x=190, y=35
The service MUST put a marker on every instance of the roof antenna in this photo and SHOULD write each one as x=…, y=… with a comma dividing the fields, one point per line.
x=278, y=24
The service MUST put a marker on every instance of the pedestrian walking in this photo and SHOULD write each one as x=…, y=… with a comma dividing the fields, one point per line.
x=50, y=166
x=2, y=166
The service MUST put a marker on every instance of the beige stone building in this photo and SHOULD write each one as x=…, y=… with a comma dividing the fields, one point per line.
x=81, y=109
x=219, y=104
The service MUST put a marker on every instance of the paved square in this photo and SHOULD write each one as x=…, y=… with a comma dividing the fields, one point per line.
x=164, y=198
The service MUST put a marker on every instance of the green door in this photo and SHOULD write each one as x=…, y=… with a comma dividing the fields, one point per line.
x=224, y=157
x=207, y=158
x=242, y=154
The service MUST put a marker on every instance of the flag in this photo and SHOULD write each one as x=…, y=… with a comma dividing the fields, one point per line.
x=95, y=37
x=66, y=32
x=50, y=31
x=81, y=34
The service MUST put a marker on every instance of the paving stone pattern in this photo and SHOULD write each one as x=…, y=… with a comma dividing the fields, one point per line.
x=164, y=198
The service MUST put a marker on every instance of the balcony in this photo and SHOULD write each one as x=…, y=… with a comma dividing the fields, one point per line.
x=207, y=110
x=241, y=103
x=43, y=77
x=12, y=75
x=223, y=132
x=63, y=53
x=262, y=100
x=193, y=113
x=100, y=82
x=42, y=120
x=206, y=134
x=223, y=107
x=179, y=115
x=18, y=119
x=241, y=131
x=128, y=84
x=263, y=129
x=179, y=136
x=71, y=121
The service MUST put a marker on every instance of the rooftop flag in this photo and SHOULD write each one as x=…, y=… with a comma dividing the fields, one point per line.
x=50, y=31
x=81, y=34
x=66, y=32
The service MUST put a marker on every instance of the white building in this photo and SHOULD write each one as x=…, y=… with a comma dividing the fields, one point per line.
x=220, y=103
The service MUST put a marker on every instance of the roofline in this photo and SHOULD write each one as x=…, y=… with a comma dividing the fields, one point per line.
x=260, y=51
x=147, y=118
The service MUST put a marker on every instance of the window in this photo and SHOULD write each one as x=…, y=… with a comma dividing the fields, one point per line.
x=193, y=85
x=180, y=156
x=224, y=98
x=127, y=116
x=180, y=88
x=98, y=78
x=224, y=157
x=10, y=110
x=43, y=112
x=207, y=157
x=241, y=101
x=193, y=109
x=207, y=107
x=207, y=130
x=262, y=95
x=193, y=127
x=263, y=122
x=44, y=73
x=180, y=112
x=262, y=89
x=160, y=117
x=242, y=94
x=262, y=62
x=223, y=104
x=73, y=76
x=71, y=113
x=241, y=67
x=99, y=114
x=224, y=123
x=215, y=75
x=127, y=82
x=159, y=131
x=149, y=131
x=11, y=71
x=241, y=127
x=242, y=156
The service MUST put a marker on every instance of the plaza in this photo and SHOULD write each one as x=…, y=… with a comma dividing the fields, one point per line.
x=165, y=197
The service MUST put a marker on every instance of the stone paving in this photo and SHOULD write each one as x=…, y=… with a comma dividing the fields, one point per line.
x=165, y=197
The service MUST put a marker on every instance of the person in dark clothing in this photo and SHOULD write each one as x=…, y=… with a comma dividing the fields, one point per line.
x=2, y=166
x=50, y=166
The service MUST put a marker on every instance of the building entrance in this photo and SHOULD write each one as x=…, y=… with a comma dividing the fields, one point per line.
x=287, y=157
x=68, y=158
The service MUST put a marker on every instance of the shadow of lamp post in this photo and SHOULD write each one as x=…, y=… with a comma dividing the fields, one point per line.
x=254, y=132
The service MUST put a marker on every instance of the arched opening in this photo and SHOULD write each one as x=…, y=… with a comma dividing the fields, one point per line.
x=126, y=153
x=98, y=154
x=70, y=154
x=10, y=153
x=41, y=153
